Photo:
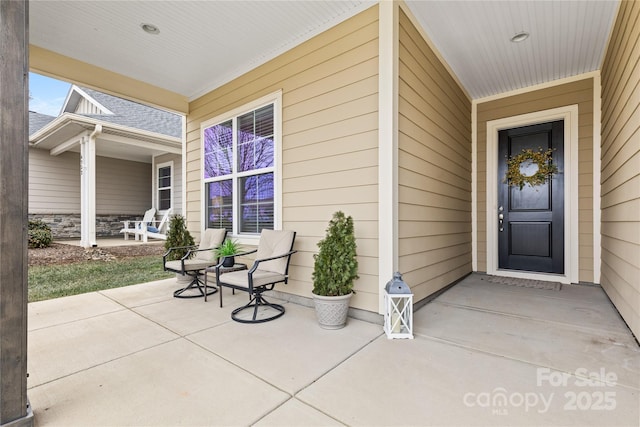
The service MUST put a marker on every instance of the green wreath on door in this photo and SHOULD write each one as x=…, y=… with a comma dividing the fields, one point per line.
x=543, y=159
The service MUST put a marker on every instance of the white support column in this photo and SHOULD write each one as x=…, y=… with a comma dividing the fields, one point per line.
x=88, y=188
x=183, y=208
x=474, y=186
x=387, y=145
x=84, y=172
x=597, y=152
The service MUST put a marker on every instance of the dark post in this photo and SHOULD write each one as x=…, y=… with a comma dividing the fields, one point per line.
x=14, y=130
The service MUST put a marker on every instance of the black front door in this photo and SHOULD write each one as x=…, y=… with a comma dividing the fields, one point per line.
x=531, y=220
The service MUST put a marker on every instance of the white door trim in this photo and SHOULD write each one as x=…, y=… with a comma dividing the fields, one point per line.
x=570, y=116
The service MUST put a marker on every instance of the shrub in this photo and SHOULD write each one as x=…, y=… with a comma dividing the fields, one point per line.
x=336, y=265
x=178, y=236
x=39, y=234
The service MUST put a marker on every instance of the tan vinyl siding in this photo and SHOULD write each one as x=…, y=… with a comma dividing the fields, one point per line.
x=434, y=175
x=620, y=167
x=580, y=93
x=329, y=146
x=122, y=187
x=54, y=182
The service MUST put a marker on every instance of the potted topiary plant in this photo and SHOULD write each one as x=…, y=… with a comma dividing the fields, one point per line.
x=178, y=237
x=227, y=250
x=334, y=271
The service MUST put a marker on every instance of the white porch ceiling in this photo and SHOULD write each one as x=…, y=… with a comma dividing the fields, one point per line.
x=204, y=44
x=567, y=38
x=201, y=44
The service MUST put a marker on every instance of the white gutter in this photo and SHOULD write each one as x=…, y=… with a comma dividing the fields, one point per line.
x=96, y=133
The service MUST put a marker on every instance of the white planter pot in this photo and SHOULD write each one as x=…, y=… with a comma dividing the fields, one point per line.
x=332, y=311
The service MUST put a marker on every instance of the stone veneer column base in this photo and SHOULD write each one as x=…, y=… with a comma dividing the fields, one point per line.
x=67, y=226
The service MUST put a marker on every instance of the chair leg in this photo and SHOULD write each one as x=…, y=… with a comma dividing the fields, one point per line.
x=255, y=303
x=195, y=283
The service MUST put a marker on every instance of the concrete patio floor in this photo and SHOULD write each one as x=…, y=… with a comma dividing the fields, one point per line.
x=484, y=354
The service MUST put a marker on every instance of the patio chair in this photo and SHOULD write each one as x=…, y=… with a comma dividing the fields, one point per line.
x=195, y=262
x=270, y=267
x=155, y=229
x=133, y=227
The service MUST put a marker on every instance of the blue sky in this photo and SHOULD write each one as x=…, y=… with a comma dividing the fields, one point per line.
x=47, y=94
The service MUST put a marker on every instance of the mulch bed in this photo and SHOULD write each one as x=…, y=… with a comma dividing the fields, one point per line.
x=59, y=253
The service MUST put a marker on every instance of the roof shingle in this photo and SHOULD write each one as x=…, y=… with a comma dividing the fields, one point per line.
x=131, y=114
x=37, y=121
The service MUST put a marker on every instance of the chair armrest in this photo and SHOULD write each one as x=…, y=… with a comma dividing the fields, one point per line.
x=258, y=261
x=164, y=257
x=130, y=224
x=192, y=251
x=221, y=259
x=246, y=253
x=180, y=247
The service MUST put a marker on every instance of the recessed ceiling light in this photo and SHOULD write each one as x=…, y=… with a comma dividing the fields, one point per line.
x=520, y=37
x=150, y=28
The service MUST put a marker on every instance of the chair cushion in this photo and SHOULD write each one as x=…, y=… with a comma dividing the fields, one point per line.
x=212, y=238
x=260, y=278
x=189, y=265
x=274, y=243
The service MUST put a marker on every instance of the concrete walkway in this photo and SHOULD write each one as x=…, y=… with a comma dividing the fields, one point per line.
x=484, y=354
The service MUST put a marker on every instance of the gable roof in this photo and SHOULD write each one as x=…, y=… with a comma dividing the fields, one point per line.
x=125, y=129
x=124, y=112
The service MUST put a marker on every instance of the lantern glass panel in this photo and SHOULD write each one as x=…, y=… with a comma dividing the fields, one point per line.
x=399, y=315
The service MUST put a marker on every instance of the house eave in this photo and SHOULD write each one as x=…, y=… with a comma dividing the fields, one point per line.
x=65, y=133
x=54, y=133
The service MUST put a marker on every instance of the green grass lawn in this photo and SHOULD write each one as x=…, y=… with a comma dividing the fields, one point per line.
x=53, y=281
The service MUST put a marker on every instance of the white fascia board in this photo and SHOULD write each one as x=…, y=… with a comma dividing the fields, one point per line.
x=90, y=121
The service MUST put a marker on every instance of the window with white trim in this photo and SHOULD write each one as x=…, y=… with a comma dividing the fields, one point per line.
x=165, y=190
x=239, y=170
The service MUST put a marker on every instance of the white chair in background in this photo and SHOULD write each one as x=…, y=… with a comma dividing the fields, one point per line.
x=155, y=229
x=132, y=227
